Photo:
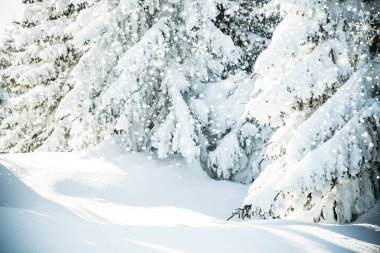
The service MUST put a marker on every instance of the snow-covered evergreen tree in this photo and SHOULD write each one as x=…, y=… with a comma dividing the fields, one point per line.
x=319, y=86
x=159, y=75
x=36, y=80
x=7, y=56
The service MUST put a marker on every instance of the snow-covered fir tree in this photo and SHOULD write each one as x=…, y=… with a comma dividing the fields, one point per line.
x=7, y=55
x=169, y=76
x=319, y=87
x=35, y=82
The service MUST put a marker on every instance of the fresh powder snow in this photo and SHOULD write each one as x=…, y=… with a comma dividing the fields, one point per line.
x=108, y=201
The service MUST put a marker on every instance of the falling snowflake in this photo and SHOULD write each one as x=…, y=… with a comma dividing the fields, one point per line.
x=366, y=26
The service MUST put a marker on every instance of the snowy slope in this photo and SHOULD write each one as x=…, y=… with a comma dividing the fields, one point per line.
x=114, y=202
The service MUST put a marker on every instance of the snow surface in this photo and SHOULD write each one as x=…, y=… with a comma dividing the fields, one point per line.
x=109, y=201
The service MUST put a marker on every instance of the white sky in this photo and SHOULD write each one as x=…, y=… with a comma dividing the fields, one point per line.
x=9, y=11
